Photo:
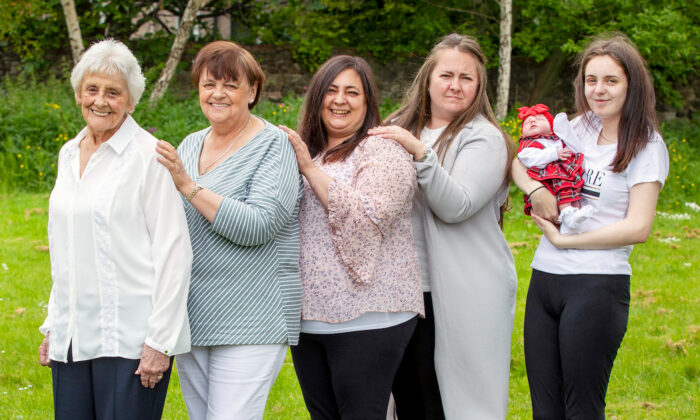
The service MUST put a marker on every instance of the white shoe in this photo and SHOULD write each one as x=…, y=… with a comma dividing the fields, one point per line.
x=571, y=219
x=565, y=214
x=582, y=214
x=565, y=227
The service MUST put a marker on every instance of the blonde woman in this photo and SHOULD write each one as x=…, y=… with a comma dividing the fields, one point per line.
x=462, y=159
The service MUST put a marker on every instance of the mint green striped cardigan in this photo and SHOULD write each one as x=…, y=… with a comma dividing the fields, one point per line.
x=245, y=286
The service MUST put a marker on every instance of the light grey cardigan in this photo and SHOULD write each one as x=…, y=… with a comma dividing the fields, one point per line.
x=471, y=269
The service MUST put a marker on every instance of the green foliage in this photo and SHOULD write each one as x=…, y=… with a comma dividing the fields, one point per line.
x=656, y=373
x=37, y=121
x=30, y=28
x=684, y=154
x=38, y=118
x=283, y=113
x=666, y=33
x=387, y=107
x=35, y=31
x=512, y=126
x=385, y=29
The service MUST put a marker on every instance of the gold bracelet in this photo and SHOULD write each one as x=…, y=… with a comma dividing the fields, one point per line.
x=194, y=192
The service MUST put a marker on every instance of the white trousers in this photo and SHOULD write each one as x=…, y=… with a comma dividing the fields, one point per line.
x=229, y=382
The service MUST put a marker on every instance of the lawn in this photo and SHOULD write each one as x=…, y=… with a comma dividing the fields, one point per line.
x=656, y=376
x=657, y=370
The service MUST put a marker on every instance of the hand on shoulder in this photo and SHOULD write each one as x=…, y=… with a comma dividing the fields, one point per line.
x=403, y=137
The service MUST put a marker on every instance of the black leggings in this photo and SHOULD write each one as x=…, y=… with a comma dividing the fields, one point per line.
x=416, y=390
x=574, y=325
x=349, y=375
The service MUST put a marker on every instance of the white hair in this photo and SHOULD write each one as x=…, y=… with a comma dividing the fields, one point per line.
x=113, y=58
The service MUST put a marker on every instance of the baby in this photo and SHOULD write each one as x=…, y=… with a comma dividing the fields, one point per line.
x=550, y=162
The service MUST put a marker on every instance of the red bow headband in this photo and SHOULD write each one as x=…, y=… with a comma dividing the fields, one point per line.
x=524, y=112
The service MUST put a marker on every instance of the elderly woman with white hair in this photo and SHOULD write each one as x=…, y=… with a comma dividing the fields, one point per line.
x=120, y=254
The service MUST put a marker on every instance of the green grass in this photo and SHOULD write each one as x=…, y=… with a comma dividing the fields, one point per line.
x=656, y=375
x=657, y=369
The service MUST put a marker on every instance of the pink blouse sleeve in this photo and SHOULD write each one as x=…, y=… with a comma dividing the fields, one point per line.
x=360, y=215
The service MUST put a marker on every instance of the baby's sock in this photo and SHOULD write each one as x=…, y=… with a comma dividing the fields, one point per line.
x=571, y=219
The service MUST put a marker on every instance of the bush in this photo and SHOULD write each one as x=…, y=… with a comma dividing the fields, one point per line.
x=39, y=117
x=681, y=137
x=37, y=120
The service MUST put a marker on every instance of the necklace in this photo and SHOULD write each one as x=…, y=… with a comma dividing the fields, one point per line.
x=607, y=140
x=206, y=168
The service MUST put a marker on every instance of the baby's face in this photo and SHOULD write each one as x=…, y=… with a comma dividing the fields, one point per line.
x=536, y=125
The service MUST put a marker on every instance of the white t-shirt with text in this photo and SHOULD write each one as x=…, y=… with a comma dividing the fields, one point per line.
x=608, y=193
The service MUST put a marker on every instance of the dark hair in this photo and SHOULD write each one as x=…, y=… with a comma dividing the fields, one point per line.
x=227, y=60
x=414, y=113
x=638, y=117
x=311, y=127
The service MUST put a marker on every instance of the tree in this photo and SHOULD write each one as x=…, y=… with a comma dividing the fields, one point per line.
x=30, y=29
x=665, y=33
x=183, y=34
x=386, y=29
x=76, y=40
x=504, y=52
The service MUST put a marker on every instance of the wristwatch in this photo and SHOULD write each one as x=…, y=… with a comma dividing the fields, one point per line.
x=428, y=152
x=194, y=192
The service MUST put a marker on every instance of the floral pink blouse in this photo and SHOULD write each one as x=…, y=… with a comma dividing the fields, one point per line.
x=360, y=256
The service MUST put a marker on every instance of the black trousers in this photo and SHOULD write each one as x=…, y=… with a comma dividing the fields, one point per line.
x=349, y=375
x=106, y=389
x=574, y=325
x=416, y=391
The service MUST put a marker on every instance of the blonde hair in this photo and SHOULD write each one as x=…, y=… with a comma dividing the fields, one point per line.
x=414, y=113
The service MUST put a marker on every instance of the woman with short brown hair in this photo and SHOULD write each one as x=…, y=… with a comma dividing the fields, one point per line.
x=241, y=188
x=226, y=60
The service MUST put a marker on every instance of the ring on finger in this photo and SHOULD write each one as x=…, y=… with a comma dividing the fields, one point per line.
x=159, y=377
x=173, y=159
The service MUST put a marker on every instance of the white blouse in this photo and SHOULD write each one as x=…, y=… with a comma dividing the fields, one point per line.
x=120, y=252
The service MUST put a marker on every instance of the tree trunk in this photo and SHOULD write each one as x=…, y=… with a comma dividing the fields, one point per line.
x=183, y=34
x=504, y=58
x=76, y=39
x=547, y=77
